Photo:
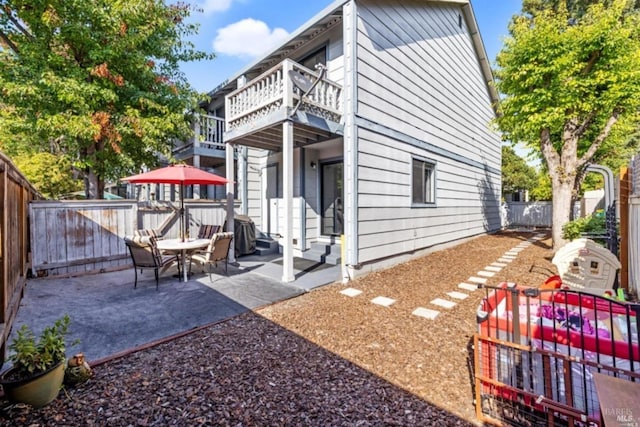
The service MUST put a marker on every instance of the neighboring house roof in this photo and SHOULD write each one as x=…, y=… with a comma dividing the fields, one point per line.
x=325, y=20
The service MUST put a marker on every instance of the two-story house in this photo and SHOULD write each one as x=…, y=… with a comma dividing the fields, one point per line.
x=367, y=132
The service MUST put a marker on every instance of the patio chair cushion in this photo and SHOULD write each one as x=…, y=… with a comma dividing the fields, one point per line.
x=145, y=254
x=217, y=251
x=150, y=232
x=207, y=231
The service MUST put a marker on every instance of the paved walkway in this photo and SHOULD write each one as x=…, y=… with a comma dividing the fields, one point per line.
x=109, y=316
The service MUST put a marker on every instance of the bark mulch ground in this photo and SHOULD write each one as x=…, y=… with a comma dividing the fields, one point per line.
x=319, y=359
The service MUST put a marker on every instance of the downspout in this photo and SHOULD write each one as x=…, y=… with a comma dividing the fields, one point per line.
x=243, y=177
x=350, y=141
x=303, y=200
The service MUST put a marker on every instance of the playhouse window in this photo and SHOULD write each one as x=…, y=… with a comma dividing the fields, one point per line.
x=423, y=182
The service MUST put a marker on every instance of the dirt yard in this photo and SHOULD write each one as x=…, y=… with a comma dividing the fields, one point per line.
x=323, y=358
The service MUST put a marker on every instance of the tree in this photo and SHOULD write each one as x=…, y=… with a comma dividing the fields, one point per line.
x=51, y=174
x=571, y=87
x=576, y=8
x=97, y=81
x=516, y=173
x=542, y=190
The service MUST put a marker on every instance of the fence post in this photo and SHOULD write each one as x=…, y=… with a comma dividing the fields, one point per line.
x=625, y=191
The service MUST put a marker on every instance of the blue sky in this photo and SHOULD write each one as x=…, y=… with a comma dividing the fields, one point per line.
x=238, y=31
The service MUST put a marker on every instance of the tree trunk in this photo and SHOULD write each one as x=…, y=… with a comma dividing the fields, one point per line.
x=563, y=170
x=94, y=186
x=561, y=206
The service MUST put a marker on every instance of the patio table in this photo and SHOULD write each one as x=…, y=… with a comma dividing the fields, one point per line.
x=178, y=246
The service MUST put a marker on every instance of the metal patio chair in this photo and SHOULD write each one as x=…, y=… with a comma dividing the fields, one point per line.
x=145, y=254
x=217, y=251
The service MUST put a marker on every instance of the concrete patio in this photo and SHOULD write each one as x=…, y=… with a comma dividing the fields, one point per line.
x=109, y=316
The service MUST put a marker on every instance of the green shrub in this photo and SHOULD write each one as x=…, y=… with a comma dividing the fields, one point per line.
x=31, y=355
x=592, y=224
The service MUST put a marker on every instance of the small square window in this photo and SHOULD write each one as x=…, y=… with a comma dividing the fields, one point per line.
x=423, y=182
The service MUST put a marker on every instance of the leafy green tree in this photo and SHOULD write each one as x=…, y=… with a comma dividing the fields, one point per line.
x=51, y=174
x=570, y=85
x=97, y=81
x=542, y=190
x=576, y=8
x=516, y=173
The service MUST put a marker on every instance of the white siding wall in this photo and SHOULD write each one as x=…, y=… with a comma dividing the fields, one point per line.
x=255, y=160
x=417, y=70
x=421, y=93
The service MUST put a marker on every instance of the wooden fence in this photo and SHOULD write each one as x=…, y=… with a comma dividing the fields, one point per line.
x=630, y=228
x=76, y=237
x=16, y=193
x=530, y=214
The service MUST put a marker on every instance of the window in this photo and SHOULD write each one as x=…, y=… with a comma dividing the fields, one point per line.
x=423, y=182
x=317, y=57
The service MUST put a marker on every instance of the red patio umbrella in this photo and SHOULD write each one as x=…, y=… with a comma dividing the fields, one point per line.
x=181, y=175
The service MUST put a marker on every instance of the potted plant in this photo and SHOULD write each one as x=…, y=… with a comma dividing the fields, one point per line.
x=38, y=365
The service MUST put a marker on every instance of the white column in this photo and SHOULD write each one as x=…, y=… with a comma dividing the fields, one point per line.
x=287, y=181
x=196, y=157
x=229, y=160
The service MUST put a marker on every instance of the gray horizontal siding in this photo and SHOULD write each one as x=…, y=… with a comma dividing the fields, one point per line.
x=255, y=161
x=418, y=70
x=467, y=199
x=421, y=93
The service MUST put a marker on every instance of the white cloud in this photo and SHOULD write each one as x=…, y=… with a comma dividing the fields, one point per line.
x=211, y=6
x=247, y=38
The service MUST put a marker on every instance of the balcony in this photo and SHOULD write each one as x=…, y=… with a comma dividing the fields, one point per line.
x=208, y=142
x=255, y=110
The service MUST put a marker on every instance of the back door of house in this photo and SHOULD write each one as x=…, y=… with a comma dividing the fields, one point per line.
x=331, y=198
x=271, y=194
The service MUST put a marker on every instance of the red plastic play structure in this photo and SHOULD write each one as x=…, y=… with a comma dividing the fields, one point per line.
x=536, y=351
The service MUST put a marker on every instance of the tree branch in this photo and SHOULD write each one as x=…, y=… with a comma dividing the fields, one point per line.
x=8, y=42
x=593, y=58
x=580, y=130
x=17, y=23
x=546, y=146
x=606, y=130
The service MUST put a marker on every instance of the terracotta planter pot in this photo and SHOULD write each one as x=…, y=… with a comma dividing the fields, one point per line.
x=38, y=390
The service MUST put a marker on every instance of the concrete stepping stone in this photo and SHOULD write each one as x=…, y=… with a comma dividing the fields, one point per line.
x=443, y=303
x=426, y=313
x=458, y=295
x=384, y=301
x=351, y=292
x=468, y=287
x=493, y=268
x=503, y=259
x=486, y=273
x=511, y=254
x=498, y=264
x=474, y=279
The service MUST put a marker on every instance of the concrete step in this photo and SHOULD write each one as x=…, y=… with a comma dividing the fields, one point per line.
x=266, y=246
x=323, y=252
x=314, y=255
x=333, y=259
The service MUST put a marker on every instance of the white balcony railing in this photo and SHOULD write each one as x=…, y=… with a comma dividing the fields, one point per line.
x=209, y=131
x=272, y=91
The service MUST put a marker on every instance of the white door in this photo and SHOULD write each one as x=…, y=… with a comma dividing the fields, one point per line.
x=271, y=195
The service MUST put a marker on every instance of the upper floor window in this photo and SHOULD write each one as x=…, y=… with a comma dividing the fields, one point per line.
x=317, y=57
x=423, y=185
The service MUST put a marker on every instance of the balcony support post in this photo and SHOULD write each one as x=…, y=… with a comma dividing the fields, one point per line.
x=196, y=157
x=287, y=178
x=230, y=197
x=287, y=181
